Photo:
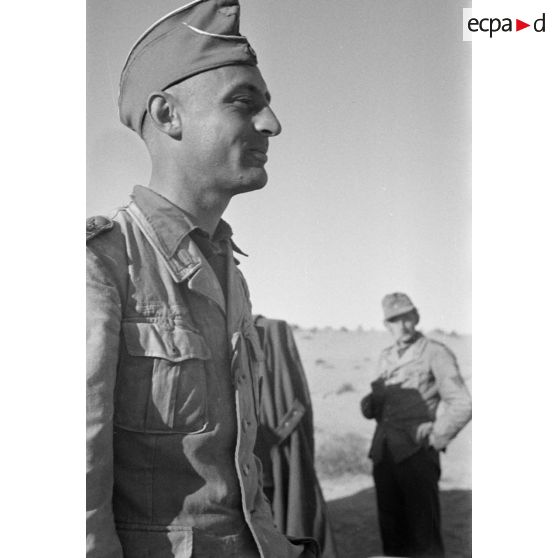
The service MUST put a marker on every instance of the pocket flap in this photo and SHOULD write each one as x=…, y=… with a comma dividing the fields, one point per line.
x=137, y=538
x=150, y=339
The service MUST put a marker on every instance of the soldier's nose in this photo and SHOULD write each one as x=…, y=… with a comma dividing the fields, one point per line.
x=267, y=123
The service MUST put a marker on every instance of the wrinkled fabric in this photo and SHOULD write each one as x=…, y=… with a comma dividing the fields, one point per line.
x=285, y=442
x=172, y=372
x=407, y=393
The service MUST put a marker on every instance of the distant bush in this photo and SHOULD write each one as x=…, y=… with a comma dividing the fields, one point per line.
x=324, y=364
x=344, y=329
x=442, y=332
x=346, y=387
x=342, y=455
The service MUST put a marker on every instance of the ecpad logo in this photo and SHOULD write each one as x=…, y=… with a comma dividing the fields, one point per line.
x=492, y=25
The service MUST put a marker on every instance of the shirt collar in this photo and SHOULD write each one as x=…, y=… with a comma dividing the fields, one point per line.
x=406, y=344
x=409, y=350
x=171, y=224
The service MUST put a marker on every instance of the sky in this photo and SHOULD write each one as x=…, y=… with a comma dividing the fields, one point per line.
x=369, y=187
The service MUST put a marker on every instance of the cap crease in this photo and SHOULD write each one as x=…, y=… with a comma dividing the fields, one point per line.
x=216, y=35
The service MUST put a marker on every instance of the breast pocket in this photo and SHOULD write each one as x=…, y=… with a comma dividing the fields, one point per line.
x=161, y=384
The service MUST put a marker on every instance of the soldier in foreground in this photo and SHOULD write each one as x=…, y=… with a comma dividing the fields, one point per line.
x=415, y=375
x=173, y=356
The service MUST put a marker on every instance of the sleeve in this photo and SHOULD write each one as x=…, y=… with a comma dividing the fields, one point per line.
x=299, y=376
x=103, y=332
x=453, y=393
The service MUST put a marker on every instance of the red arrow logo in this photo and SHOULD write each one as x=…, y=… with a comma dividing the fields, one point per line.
x=519, y=25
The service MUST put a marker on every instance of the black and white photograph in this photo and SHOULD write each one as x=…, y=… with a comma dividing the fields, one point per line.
x=298, y=213
x=278, y=279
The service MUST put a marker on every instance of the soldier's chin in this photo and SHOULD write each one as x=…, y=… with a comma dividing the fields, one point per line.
x=256, y=180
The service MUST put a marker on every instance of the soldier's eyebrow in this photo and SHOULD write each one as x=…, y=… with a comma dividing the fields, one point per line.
x=252, y=89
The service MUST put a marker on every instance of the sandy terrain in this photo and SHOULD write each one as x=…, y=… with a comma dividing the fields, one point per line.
x=339, y=366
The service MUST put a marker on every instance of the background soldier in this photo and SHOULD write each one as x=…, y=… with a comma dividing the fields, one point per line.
x=415, y=374
x=173, y=355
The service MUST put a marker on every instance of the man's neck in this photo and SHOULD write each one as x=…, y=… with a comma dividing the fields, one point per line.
x=404, y=343
x=203, y=207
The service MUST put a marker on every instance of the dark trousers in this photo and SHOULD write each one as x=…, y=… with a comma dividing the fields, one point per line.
x=409, y=505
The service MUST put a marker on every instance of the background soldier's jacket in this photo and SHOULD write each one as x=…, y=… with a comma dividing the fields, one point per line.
x=408, y=392
x=173, y=367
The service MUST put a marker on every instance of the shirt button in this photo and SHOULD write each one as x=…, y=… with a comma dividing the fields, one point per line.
x=246, y=469
x=245, y=424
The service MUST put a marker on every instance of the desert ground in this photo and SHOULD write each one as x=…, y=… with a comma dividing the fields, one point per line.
x=339, y=366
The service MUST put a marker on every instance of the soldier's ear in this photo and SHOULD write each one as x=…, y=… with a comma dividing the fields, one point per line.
x=163, y=110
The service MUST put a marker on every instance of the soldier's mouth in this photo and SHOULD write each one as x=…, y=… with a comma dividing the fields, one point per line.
x=259, y=155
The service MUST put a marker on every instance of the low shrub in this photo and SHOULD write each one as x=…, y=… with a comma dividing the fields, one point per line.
x=342, y=455
x=345, y=388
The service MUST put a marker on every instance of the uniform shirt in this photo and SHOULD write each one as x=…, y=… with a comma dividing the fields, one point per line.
x=411, y=384
x=173, y=364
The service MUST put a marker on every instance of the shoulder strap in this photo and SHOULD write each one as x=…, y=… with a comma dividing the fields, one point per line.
x=97, y=225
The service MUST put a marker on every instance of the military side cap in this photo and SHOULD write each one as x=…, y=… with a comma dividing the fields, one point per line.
x=396, y=304
x=200, y=36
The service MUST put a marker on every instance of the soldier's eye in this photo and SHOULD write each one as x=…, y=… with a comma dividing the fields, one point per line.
x=244, y=101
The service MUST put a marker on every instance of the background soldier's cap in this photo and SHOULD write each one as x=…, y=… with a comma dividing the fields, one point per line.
x=396, y=304
x=200, y=36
